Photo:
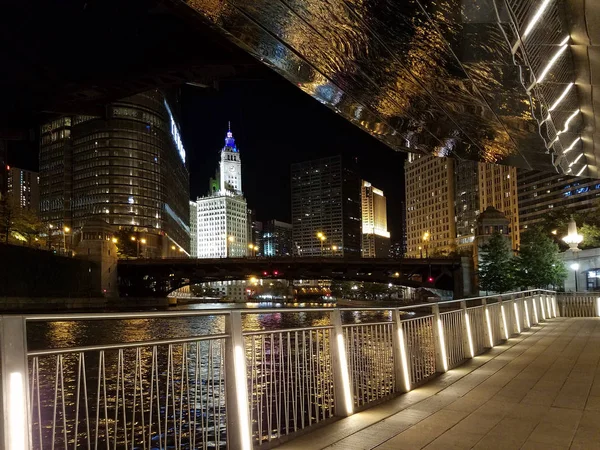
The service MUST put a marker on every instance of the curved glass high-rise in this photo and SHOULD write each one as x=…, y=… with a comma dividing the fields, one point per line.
x=126, y=166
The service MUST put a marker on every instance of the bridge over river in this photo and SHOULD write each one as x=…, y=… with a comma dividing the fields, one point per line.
x=158, y=277
x=511, y=371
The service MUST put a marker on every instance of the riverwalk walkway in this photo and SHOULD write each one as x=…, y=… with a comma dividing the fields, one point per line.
x=540, y=390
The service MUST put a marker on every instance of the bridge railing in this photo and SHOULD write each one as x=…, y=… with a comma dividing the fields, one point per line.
x=239, y=382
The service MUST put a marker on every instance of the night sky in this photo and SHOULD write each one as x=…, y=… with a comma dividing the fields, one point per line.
x=275, y=124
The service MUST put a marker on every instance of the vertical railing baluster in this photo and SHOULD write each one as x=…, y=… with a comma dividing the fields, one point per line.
x=401, y=369
x=16, y=422
x=467, y=337
x=439, y=341
x=341, y=379
x=236, y=389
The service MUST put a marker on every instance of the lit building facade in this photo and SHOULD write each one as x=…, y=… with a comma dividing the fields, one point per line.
x=375, y=235
x=540, y=192
x=222, y=216
x=193, y=229
x=445, y=197
x=478, y=186
x=277, y=238
x=23, y=189
x=126, y=167
x=498, y=188
x=326, y=200
x=430, y=226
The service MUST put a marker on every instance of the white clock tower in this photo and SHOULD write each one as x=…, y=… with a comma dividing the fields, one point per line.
x=231, y=166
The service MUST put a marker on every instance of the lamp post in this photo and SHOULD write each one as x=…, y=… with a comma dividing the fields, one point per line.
x=230, y=240
x=322, y=238
x=575, y=267
x=426, y=237
x=49, y=236
x=143, y=242
x=139, y=241
x=573, y=239
x=334, y=248
x=253, y=249
x=66, y=229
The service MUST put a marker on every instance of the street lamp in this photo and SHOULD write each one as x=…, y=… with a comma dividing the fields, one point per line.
x=322, y=238
x=230, y=240
x=575, y=268
x=114, y=240
x=426, y=237
x=66, y=229
x=49, y=236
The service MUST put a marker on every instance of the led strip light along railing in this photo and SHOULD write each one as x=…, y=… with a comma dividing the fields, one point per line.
x=469, y=335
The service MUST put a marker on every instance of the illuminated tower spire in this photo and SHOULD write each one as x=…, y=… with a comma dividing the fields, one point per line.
x=231, y=165
x=230, y=141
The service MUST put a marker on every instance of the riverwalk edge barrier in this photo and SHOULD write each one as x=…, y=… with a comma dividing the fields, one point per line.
x=243, y=383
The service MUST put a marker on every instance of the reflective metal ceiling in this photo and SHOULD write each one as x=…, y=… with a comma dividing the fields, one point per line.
x=487, y=80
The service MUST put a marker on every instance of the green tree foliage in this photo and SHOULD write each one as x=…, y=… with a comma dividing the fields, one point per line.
x=126, y=248
x=496, y=266
x=27, y=225
x=555, y=223
x=591, y=236
x=538, y=264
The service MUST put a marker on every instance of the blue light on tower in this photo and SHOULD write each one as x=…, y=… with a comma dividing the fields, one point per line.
x=230, y=141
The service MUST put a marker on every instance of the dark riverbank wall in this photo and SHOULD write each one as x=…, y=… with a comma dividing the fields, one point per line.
x=31, y=273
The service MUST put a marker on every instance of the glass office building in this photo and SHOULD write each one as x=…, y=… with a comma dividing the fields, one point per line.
x=126, y=166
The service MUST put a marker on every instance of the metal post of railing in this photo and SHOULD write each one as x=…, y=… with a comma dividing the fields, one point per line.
x=401, y=369
x=503, y=321
x=513, y=323
x=542, y=308
x=16, y=426
x=488, y=336
x=549, y=306
x=555, y=305
x=441, y=360
x=236, y=387
x=526, y=313
x=343, y=402
x=467, y=337
x=534, y=302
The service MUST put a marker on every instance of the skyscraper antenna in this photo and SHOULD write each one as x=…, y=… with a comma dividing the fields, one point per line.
x=229, y=125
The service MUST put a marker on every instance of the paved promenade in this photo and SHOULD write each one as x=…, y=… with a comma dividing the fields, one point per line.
x=540, y=390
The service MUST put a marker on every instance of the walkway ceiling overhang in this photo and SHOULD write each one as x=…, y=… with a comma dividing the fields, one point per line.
x=505, y=81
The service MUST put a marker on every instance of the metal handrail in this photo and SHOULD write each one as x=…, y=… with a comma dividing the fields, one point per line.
x=224, y=312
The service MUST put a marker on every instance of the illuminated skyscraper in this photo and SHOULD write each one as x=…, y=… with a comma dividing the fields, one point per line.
x=23, y=189
x=444, y=198
x=326, y=208
x=222, y=216
x=126, y=167
x=375, y=236
x=430, y=226
x=277, y=238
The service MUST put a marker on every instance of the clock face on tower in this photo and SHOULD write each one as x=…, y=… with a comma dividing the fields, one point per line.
x=231, y=169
